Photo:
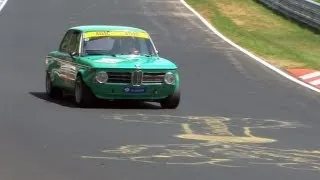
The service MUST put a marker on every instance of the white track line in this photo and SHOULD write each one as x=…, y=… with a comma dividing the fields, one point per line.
x=247, y=52
x=3, y=3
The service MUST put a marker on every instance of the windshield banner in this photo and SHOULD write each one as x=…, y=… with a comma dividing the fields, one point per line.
x=116, y=33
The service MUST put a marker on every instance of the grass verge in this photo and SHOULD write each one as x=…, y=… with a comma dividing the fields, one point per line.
x=249, y=24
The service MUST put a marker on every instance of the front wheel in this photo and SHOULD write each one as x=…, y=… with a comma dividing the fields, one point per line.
x=173, y=101
x=82, y=95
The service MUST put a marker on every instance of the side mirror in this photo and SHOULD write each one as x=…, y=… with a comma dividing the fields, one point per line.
x=157, y=52
x=73, y=54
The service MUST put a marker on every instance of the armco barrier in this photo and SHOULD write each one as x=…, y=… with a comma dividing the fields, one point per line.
x=304, y=11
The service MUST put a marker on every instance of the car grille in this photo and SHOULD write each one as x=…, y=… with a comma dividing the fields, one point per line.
x=136, y=78
x=153, y=77
x=119, y=77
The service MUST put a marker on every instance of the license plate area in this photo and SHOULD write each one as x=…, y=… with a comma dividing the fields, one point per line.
x=134, y=90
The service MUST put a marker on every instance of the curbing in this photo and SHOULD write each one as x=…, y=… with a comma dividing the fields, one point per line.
x=214, y=30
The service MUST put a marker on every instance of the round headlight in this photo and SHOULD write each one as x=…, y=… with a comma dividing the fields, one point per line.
x=102, y=77
x=169, y=78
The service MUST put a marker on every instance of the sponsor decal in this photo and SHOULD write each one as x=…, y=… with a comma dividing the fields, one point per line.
x=115, y=34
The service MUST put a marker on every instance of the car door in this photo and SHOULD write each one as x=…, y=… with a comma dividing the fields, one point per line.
x=57, y=60
x=70, y=62
x=67, y=68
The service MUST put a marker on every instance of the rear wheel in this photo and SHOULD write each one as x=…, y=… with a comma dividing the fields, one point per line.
x=173, y=101
x=52, y=92
x=82, y=94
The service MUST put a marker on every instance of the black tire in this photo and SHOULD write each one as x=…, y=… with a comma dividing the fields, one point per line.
x=82, y=94
x=171, y=102
x=52, y=92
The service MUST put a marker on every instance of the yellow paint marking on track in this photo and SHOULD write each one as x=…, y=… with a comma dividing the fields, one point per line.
x=214, y=144
x=247, y=132
x=219, y=132
x=218, y=154
x=186, y=128
x=217, y=126
x=226, y=139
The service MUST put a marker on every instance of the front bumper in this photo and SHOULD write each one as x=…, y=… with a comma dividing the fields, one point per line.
x=127, y=91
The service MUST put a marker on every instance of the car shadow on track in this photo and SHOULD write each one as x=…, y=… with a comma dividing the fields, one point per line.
x=67, y=101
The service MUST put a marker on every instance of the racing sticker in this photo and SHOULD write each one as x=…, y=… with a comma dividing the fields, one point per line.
x=116, y=33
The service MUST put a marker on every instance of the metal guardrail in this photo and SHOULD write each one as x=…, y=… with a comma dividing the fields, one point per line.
x=304, y=11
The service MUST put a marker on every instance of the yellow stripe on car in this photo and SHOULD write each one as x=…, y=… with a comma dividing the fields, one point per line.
x=116, y=33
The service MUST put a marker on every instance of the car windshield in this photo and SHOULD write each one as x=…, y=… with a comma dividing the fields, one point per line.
x=118, y=45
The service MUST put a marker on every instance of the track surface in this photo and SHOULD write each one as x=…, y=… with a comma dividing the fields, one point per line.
x=52, y=140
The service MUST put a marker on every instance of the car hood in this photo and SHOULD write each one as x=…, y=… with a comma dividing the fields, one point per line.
x=129, y=62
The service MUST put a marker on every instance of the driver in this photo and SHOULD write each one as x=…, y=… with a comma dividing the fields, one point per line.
x=129, y=46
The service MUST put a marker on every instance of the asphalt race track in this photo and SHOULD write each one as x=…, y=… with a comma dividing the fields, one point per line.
x=237, y=119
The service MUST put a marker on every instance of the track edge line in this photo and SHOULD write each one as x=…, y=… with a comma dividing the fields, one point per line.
x=214, y=30
x=4, y=2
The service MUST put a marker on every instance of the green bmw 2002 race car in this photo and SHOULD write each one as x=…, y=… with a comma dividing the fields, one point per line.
x=111, y=63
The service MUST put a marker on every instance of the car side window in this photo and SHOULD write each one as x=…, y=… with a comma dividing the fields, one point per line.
x=65, y=42
x=74, y=42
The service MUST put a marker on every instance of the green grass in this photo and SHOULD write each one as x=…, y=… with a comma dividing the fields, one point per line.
x=256, y=28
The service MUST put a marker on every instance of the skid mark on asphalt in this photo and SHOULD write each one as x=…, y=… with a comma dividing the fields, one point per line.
x=238, y=66
x=152, y=14
x=190, y=29
x=218, y=141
